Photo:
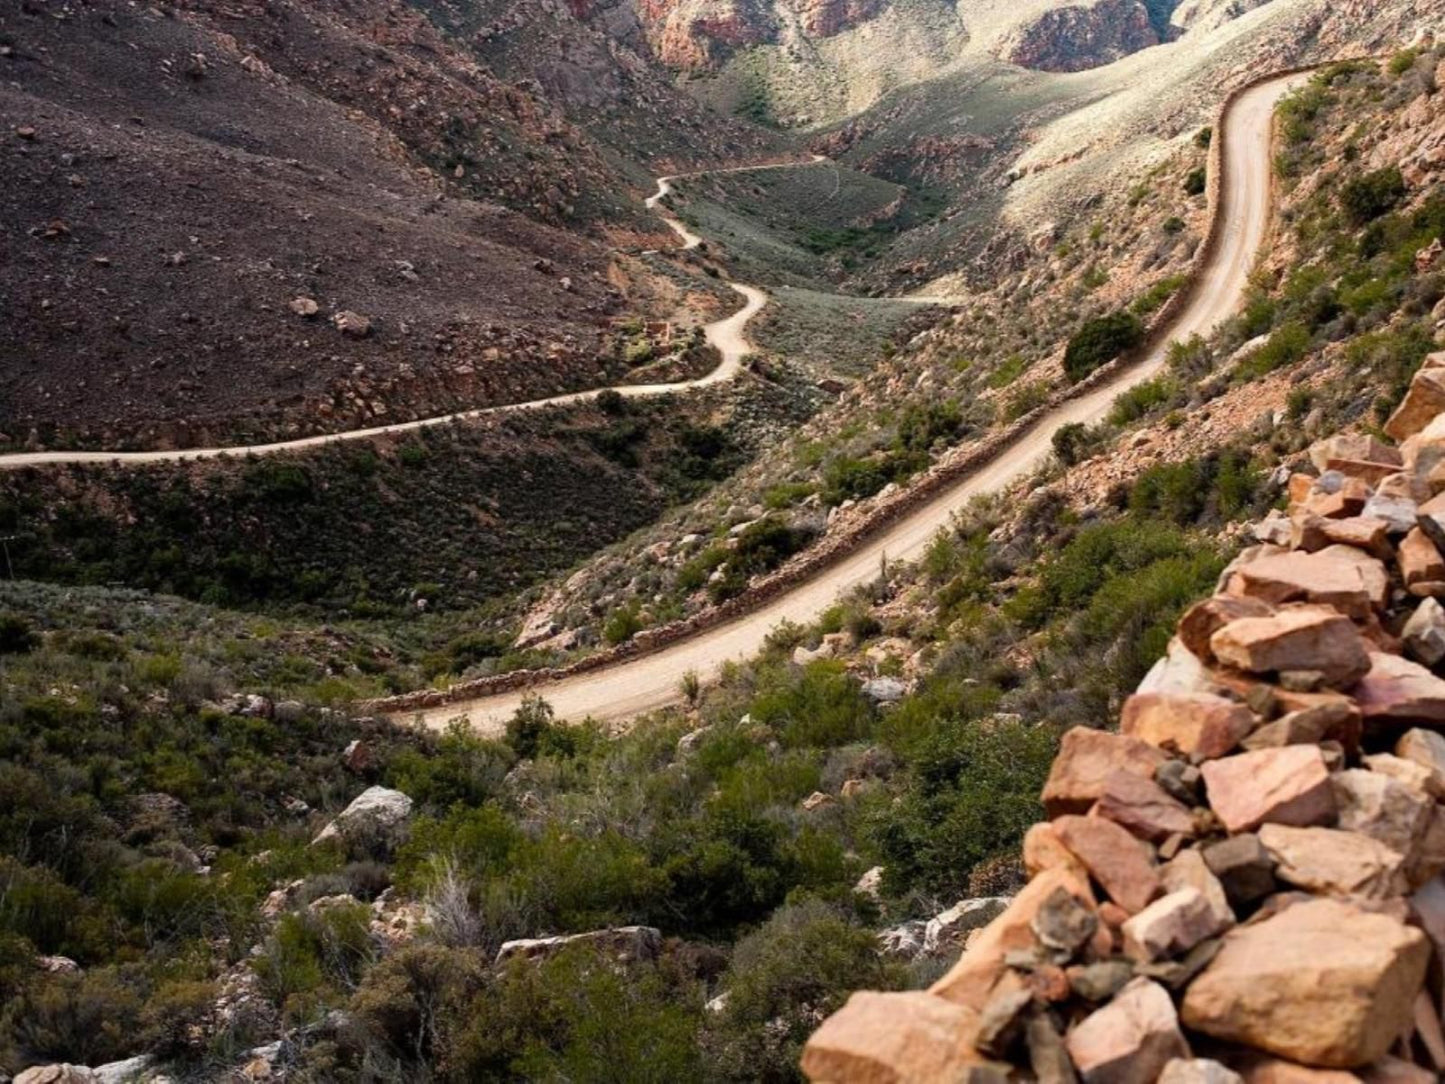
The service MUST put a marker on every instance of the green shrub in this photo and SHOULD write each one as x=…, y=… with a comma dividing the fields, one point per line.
x=1402, y=61
x=847, y=478
x=581, y=1017
x=1100, y=341
x=1152, y=299
x=622, y=624
x=1070, y=442
x=970, y=791
x=1196, y=181
x=1008, y=371
x=1133, y=403
x=312, y=948
x=820, y=706
x=1366, y=198
x=1287, y=345
x=803, y=962
x=533, y=730
x=16, y=635
x=89, y=1018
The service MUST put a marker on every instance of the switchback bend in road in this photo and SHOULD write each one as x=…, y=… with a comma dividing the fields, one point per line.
x=727, y=335
x=653, y=680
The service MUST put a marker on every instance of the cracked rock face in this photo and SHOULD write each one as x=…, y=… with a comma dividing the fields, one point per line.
x=1082, y=36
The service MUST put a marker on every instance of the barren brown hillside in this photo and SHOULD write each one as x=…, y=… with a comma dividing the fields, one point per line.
x=193, y=199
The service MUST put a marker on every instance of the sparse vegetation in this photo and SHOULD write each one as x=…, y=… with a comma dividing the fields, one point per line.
x=1100, y=341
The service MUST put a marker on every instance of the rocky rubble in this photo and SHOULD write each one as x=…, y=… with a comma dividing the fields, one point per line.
x=1247, y=883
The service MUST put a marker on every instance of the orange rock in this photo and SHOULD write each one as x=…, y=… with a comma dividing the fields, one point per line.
x=1129, y=1040
x=1188, y=722
x=1299, y=486
x=1311, y=532
x=1290, y=785
x=1349, y=500
x=1332, y=862
x=1296, y=638
x=1122, y=865
x=1171, y=926
x=969, y=981
x=1044, y=850
x=1424, y=400
x=1204, y=619
x=892, y=1039
x=1086, y=759
x=1382, y=808
x=1397, y=691
x=1111, y=914
x=1257, y=1068
x=1427, y=749
x=1306, y=577
x=1421, y=566
x=1357, y=456
x=1144, y=808
x=1321, y=983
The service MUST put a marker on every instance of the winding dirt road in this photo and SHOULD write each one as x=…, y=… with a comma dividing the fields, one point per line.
x=653, y=681
x=726, y=335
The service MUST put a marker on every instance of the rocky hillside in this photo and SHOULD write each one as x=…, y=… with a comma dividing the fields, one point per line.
x=234, y=221
x=1077, y=37
x=1243, y=883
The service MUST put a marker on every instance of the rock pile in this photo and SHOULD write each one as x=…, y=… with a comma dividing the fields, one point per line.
x=1247, y=882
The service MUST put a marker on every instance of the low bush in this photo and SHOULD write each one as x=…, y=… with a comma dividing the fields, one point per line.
x=1364, y=199
x=1100, y=341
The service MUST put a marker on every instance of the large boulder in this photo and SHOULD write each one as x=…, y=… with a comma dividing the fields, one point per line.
x=1424, y=400
x=377, y=814
x=970, y=980
x=1427, y=749
x=1357, y=456
x=1289, y=785
x=1333, y=862
x=1202, y=620
x=1086, y=760
x=1327, y=578
x=1424, y=633
x=1321, y=982
x=1188, y=723
x=1172, y=925
x=625, y=944
x=61, y=1073
x=1421, y=566
x=129, y=1071
x=1313, y=638
x=1119, y=862
x=1382, y=808
x=893, y=1039
x=1129, y=1040
x=1144, y=808
x=1398, y=692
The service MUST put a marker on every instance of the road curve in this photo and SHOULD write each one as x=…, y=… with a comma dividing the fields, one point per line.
x=653, y=681
x=727, y=335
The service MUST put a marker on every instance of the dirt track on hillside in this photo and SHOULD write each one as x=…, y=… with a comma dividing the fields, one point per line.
x=654, y=680
x=726, y=335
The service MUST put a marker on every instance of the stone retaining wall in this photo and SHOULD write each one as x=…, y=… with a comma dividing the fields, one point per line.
x=1246, y=883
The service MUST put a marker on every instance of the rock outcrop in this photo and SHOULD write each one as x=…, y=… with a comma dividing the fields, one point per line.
x=377, y=813
x=1080, y=36
x=1252, y=872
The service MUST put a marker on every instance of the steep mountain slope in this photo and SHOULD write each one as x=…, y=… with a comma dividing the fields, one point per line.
x=179, y=877
x=195, y=199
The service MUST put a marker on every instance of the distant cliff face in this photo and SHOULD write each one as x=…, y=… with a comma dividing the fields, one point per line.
x=1080, y=36
x=694, y=34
